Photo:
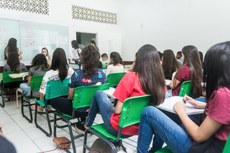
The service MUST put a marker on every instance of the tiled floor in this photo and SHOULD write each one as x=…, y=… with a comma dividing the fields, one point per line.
x=28, y=139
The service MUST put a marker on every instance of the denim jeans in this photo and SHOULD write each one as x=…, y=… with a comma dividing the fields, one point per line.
x=154, y=122
x=101, y=104
x=25, y=88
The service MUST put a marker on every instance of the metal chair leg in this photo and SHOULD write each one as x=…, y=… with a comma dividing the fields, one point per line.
x=49, y=133
x=26, y=103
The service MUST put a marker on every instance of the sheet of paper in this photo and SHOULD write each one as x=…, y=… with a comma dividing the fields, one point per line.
x=168, y=104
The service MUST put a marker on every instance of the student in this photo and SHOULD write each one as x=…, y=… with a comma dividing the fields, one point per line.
x=12, y=47
x=59, y=70
x=116, y=64
x=39, y=66
x=105, y=60
x=179, y=58
x=146, y=78
x=46, y=53
x=88, y=75
x=169, y=63
x=76, y=52
x=211, y=135
x=5, y=145
x=13, y=63
x=191, y=70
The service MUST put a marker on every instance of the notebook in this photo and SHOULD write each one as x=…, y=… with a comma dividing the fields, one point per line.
x=167, y=105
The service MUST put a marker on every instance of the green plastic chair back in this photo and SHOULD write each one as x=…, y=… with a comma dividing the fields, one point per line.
x=164, y=150
x=114, y=78
x=56, y=88
x=130, y=115
x=227, y=145
x=35, y=82
x=186, y=88
x=7, y=79
x=83, y=95
x=132, y=109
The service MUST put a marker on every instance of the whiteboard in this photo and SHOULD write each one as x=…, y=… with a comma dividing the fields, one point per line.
x=8, y=29
x=35, y=36
x=32, y=37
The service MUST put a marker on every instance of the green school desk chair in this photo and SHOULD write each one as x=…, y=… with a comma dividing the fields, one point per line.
x=4, y=86
x=227, y=145
x=54, y=89
x=164, y=150
x=186, y=88
x=82, y=98
x=130, y=115
x=114, y=78
x=35, y=83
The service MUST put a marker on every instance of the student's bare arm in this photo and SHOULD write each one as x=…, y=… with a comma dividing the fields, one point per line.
x=198, y=133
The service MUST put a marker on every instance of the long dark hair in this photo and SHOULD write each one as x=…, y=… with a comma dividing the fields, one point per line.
x=148, y=67
x=169, y=63
x=90, y=59
x=11, y=46
x=13, y=61
x=116, y=58
x=192, y=60
x=39, y=61
x=59, y=62
x=217, y=69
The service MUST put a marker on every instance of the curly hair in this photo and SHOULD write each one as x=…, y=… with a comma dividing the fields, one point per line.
x=90, y=60
x=39, y=61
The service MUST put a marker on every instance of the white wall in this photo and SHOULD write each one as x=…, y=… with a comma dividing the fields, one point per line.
x=173, y=24
x=60, y=13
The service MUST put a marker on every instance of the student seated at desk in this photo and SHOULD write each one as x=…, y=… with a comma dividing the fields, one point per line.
x=39, y=66
x=13, y=64
x=211, y=135
x=116, y=64
x=104, y=60
x=59, y=70
x=190, y=70
x=169, y=64
x=146, y=78
x=88, y=75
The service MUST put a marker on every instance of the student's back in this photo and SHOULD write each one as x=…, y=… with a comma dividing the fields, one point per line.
x=13, y=63
x=169, y=64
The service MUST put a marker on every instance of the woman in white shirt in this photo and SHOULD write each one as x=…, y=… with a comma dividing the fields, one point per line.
x=59, y=70
x=116, y=64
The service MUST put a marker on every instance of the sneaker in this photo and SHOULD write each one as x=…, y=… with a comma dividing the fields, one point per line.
x=79, y=127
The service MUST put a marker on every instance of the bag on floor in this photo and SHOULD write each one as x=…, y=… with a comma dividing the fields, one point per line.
x=62, y=142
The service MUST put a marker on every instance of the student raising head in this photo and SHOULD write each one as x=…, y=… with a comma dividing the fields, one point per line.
x=88, y=75
x=146, y=78
x=211, y=135
x=190, y=70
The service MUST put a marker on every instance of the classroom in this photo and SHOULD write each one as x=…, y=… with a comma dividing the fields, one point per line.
x=127, y=33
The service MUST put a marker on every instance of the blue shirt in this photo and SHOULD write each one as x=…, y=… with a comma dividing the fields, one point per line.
x=78, y=79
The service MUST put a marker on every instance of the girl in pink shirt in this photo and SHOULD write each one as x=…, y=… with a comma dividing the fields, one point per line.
x=208, y=137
